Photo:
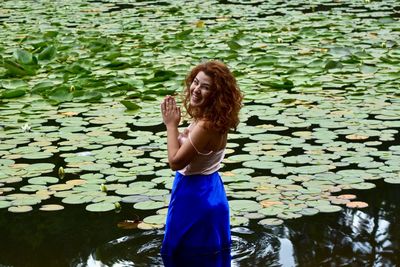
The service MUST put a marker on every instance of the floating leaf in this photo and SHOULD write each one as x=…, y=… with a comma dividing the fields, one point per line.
x=20, y=209
x=43, y=180
x=356, y=204
x=13, y=93
x=155, y=219
x=309, y=211
x=130, y=105
x=271, y=222
x=100, y=207
x=244, y=205
x=328, y=208
x=149, y=205
x=239, y=221
x=51, y=207
x=4, y=204
x=48, y=53
x=148, y=226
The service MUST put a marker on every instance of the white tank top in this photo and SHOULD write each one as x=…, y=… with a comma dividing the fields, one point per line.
x=203, y=163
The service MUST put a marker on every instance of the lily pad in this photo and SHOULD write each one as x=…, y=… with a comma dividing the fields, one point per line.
x=51, y=207
x=148, y=226
x=244, y=205
x=357, y=204
x=271, y=222
x=149, y=205
x=4, y=204
x=43, y=180
x=328, y=208
x=20, y=209
x=100, y=207
x=155, y=219
x=239, y=221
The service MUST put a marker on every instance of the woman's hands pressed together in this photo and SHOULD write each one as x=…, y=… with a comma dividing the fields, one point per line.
x=171, y=113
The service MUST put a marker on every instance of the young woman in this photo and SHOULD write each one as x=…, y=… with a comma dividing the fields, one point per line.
x=198, y=214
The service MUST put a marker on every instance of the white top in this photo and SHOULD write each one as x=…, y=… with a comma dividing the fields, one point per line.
x=203, y=163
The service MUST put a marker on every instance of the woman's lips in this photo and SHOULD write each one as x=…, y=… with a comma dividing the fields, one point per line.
x=195, y=98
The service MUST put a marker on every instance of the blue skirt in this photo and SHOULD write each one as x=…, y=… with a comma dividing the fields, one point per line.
x=198, y=218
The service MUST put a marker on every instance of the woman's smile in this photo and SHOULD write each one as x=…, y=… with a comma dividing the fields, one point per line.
x=200, y=89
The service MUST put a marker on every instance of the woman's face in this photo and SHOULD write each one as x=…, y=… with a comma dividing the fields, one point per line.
x=200, y=90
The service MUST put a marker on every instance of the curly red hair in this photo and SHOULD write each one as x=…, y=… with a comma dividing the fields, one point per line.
x=222, y=109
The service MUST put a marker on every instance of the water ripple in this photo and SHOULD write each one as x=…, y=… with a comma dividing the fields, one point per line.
x=143, y=249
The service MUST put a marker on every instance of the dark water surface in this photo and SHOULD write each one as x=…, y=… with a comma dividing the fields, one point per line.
x=74, y=237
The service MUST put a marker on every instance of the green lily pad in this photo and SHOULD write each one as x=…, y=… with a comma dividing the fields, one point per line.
x=309, y=211
x=19, y=209
x=4, y=204
x=155, y=219
x=328, y=208
x=77, y=199
x=363, y=186
x=271, y=211
x=51, y=207
x=149, y=205
x=32, y=188
x=100, y=207
x=131, y=191
x=239, y=221
x=392, y=180
x=43, y=180
x=244, y=205
x=271, y=222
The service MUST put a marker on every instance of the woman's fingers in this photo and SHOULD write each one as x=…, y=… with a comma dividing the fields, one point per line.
x=169, y=107
x=163, y=106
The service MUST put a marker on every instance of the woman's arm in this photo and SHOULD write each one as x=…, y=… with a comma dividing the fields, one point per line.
x=180, y=156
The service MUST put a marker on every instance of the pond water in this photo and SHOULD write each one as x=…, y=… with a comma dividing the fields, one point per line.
x=366, y=237
x=320, y=125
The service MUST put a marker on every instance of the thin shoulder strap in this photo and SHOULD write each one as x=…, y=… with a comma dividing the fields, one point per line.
x=198, y=152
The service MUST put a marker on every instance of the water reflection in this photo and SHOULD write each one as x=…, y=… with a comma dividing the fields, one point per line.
x=221, y=259
x=353, y=237
x=142, y=249
x=366, y=237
